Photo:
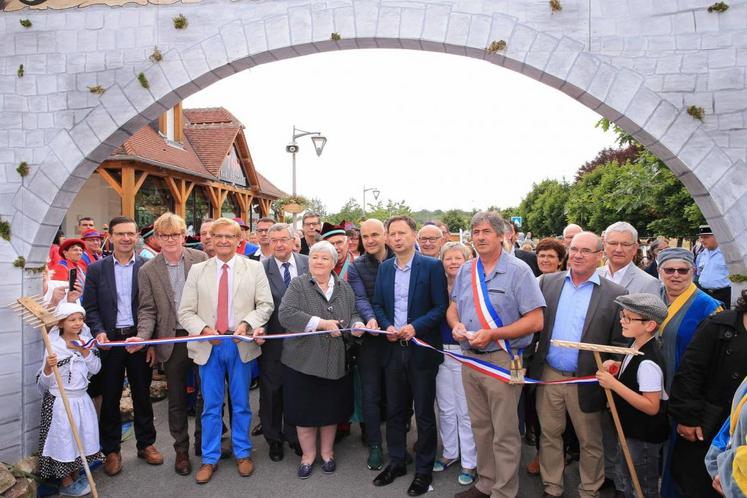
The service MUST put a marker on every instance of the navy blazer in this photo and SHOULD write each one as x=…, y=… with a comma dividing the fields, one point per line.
x=100, y=296
x=427, y=301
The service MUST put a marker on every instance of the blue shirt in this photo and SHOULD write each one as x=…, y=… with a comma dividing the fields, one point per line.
x=512, y=289
x=712, y=270
x=401, y=292
x=123, y=281
x=569, y=321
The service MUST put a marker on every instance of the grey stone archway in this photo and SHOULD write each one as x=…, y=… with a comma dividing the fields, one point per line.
x=636, y=62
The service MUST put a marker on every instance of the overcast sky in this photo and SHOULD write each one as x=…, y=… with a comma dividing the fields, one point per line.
x=436, y=130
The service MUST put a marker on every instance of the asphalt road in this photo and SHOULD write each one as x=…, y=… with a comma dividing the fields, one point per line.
x=278, y=480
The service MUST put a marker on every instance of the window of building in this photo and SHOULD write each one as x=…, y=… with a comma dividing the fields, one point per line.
x=198, y=209
x=231, y=207
x=152, y=200
x=231, y=170
x=170, y=125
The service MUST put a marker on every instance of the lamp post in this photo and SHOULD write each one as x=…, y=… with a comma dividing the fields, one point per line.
x=317, y=138
x=376, y=193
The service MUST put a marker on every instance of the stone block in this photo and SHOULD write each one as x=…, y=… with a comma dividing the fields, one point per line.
x=727, y=101
x=679, y=82
x=724, y=57
x=731, y=186
x=712, y=168
x=323, y=24
x=670, y=64
x=118, y=107
x=366, y=18
x=661, y=119
x=436, y=22
x=680, y=132
x=215, y=52
x=195, y=62
x=688, y=42
x=458, y=29
x=277, y=32
x=412, y=21
x=726, y=79
x=642, y=106
x=344, y=22
x=67, y=150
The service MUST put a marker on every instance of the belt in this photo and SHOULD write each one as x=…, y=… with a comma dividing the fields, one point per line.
x=228, y=332
x=125, y=331
x=403, y=343
x=477, y=351
x=180, y=333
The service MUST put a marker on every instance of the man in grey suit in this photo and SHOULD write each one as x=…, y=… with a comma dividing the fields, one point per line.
x=280, y=268
x=620, y=247
x=160, y=284
x=580, y=307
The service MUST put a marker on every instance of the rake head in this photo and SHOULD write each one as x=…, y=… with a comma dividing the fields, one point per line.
x=34, y=312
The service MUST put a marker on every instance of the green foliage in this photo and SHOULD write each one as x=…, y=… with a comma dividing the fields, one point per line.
x=180, y=22
x=97, y=89
x=20, y=71
x=456, y=219
x=156, y=56
x=544, y=207
x=696, y=112
x=350, y=211
x=20, y=262
x=26, y=23
x=719, y=7
x=738, y=278
x=143, y=80
x=335, y=37
x=315, y=205
x=5, y=229
x=23, y=169
x=496, y=46
x=555, y=6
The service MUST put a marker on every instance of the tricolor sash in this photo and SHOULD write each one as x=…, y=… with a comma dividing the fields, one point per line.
x=486, y=312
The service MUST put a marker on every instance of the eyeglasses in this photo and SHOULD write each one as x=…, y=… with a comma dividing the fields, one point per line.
x=672, y=271
x=169, y=236
x=223, y=236
x=284, y=240
x=625, y=245
x=263, y=230
x=311, y=224
x=429, y=240
x=627, y=319
x=583, y=252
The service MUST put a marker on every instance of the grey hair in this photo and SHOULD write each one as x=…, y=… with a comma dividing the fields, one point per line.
x=572, y=225
x=324, y=246
x=600, y=244
x=622, y=227
x=455, y=246
x=279, y=227
x=492, y=218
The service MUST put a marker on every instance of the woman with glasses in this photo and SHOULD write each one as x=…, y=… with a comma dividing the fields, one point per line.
x=688, y=306
x=550, y=255
x=317, y=381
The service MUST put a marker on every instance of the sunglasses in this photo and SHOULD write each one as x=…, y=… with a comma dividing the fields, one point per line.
x=672, y=271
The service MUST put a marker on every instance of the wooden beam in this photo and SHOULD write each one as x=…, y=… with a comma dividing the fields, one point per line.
x=180, y=201
x=188, y=190
x=128, y=191
x=140, y=180
x=110, y=180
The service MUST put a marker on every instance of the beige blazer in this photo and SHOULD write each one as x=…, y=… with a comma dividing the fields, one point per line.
x=156, y=311
x=251, y=303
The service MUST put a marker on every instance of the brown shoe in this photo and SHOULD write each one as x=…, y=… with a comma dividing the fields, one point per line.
x=245, y=466
x=113, y=463
x=205, y=472
x=472, y=492
x=182, y=465
x=151, y=455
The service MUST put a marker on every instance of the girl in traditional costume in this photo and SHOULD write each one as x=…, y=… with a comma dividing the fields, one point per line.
x=59, y=458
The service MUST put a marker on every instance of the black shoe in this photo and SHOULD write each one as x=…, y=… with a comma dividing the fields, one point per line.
x=389, y=474
x=257, y=431
x=296, y=448
x=276, y=451
x=419, y=485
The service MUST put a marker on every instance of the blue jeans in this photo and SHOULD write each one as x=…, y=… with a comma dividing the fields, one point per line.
x=224, y=359
x=645, y=457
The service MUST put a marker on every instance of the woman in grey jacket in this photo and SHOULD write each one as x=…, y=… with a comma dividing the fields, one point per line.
x=317, y=385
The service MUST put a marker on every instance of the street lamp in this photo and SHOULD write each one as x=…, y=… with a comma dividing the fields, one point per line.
x=318, y=139
x=376, y=193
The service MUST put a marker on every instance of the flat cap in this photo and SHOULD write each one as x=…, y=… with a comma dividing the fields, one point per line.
x=675, y=253
x=649, y=306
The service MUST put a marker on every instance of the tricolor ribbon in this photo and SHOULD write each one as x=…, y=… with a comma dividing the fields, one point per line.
x=476, y=364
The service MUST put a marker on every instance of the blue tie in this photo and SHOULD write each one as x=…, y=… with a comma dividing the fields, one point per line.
x=286, y=274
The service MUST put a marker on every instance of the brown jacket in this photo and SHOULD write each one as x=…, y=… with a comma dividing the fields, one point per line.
x=156, y=310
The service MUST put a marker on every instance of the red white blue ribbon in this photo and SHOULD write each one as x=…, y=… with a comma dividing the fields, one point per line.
x=486, y=312
x=476, y=364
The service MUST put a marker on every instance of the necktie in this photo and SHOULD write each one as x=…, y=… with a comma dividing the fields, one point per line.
x=221, y=323
x=286, y=274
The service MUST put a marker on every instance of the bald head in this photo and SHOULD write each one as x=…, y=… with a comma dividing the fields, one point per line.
x=569, y=232
x=584, y=255
x=373, y=235
x=430, y=240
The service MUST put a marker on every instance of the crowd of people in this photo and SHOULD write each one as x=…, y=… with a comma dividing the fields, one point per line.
x=373, y=310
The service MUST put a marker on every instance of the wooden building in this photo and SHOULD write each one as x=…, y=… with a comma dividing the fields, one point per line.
x=194, y=162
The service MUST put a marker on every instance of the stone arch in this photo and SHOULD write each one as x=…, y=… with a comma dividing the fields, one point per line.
x=609, y=73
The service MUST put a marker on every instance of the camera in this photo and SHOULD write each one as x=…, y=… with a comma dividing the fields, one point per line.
x=292, y=148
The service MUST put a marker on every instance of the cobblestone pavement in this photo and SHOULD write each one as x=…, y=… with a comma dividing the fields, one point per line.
x=278, y=480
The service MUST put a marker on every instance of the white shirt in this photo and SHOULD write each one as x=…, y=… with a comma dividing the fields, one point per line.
x=649, y=376
x=261, y=256
x=231, y=266
x=291, y=269
x=314, y=320
x=617, y=277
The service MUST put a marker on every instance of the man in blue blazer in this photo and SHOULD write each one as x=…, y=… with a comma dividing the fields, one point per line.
x=410, y=300
x=110, y=297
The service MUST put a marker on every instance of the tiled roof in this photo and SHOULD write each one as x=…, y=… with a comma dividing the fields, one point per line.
x=208, y=135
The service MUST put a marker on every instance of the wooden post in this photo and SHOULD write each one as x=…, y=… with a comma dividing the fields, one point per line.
x=597, y=349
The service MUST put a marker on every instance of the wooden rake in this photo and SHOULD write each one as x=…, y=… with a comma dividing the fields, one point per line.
x=39, y=315
x=597, y=349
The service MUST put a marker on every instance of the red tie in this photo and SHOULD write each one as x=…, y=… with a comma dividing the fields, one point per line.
x=221, y=324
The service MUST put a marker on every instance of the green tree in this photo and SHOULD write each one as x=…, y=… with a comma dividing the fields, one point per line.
x=350, y=211
x=382, y=211
x=544, y=208
x=456, y=219
x=317, y=206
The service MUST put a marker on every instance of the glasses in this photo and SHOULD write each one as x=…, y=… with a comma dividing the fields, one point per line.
x=625, y=245
x=672, y=271
x=169, y=236
x=429, y=240
x=284, y=240
x=312, y=223
x=223, y=236
x=627, y=319
x=263, y=230
x=583, y=252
